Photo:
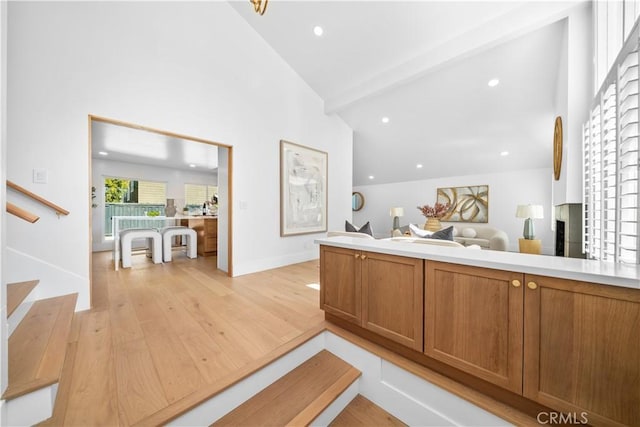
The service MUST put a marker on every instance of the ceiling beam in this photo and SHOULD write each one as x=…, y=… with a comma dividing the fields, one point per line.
x=524, y=19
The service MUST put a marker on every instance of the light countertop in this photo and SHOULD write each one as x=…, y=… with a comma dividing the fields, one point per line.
x=616, y=274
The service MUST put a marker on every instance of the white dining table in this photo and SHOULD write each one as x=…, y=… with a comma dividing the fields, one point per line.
x=115, y=228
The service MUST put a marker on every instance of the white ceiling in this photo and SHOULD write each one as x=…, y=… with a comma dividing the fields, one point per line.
x=139, y=146
x=425, y=65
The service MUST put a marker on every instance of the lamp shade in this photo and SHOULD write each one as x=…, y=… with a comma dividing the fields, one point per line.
x=530, y=211
x=396, y=212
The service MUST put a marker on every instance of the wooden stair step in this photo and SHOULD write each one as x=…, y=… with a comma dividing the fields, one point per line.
x=17, y=292
x=38, y=345
x=363, y=412
x=298, y=397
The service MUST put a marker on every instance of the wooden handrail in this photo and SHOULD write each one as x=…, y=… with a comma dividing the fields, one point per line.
x=22, y=213
x=58, y=209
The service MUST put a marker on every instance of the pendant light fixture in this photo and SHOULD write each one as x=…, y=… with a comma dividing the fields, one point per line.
x=260, y=6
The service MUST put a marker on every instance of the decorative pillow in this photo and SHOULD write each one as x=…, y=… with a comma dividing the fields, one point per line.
x=419, y=232
x=455, y=232
x=469, y=233
x=444, y=234
x=366, y=229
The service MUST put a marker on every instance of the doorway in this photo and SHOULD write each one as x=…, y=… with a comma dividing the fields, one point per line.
x=154, y=149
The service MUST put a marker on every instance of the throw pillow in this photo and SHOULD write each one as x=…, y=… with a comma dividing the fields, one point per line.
x=366, y=229
x=455, y=232
x=444, y=234
x=419, y=232
x=469, y=233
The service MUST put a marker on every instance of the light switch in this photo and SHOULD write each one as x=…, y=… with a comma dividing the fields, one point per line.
x=39, y=176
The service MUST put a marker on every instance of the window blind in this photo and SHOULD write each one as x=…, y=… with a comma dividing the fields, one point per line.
x=611, y=163
x=197, y=194
x=152, y=192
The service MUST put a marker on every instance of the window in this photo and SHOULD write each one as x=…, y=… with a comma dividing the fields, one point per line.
x=130, y=197
x=611, y=163
x=196, y=194
x=613, y=23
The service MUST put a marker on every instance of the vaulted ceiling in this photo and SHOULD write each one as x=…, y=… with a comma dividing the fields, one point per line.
x=425, y=65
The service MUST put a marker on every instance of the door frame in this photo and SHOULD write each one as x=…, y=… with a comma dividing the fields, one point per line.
x=229, y=203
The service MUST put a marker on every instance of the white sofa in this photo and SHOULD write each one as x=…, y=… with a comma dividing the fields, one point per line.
x=349, y=234
x=487, y=237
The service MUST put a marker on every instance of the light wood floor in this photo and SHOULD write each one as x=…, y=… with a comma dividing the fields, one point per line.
x=363, y=412
x=158, y=333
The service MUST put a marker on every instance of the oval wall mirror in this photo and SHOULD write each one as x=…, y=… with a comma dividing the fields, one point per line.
x=357, y=201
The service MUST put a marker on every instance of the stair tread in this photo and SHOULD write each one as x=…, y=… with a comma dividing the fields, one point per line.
x=302, y=393
x=38, y=345
x=17, y=292
x=363, y=412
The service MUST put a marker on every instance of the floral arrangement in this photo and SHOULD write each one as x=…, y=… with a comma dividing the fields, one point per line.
x=437, y=211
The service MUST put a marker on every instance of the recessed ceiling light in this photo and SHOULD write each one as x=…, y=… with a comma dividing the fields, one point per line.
x=493, y=82
x=192, y=165
x=103, y=153
x=317, y=30
x=371, y=176
x=385, y=119
x=504, y=153
x=419, y=166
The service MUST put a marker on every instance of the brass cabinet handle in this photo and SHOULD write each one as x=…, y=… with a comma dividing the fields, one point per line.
x=516, y=283
x=532, y=285
x=364, y=256
x=357, y=255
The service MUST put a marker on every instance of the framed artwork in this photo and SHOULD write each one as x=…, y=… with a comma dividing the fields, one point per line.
x=466, y=204
x=303, y=189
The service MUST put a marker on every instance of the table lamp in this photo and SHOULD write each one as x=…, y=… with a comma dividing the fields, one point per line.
x=396, y=213
x=530, y=212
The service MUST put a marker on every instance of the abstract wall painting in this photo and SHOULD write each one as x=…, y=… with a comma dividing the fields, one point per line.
x=467, y=204
x=303, y=189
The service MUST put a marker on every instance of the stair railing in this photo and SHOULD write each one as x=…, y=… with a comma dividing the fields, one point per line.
x=58, y=210
x=22, y=213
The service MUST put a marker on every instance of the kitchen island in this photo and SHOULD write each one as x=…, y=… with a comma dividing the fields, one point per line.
x=536, y=332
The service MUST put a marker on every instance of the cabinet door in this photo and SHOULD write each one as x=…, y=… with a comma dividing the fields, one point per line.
x=582, y=349
x=392, y=294
x=340, y=289
x=473, y=321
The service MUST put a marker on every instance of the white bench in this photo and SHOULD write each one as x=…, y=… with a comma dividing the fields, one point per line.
x=154, y=240
x=168, y=233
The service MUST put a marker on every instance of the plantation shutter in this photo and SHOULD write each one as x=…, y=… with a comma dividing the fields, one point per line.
x=611, y=164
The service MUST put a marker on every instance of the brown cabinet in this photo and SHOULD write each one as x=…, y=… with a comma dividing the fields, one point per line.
x=340, y=284
x=207, y=230
x=392, y=293
x=582, y=349
x=473, y=321
x=381, y=293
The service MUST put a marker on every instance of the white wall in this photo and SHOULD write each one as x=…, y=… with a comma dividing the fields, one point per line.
x=194, y=68
x=3, y=176
x=506, y=191
x=575, y=94
x=175, y=179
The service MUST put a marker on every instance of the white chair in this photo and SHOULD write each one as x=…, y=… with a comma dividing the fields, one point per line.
x=154, y=240
x=168, y=233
